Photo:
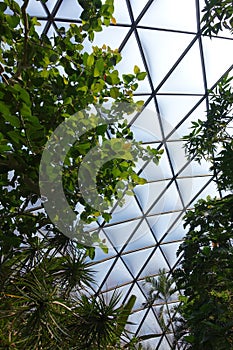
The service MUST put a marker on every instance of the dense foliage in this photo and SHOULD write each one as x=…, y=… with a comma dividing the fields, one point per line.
x=46, y=283
x=218, y=14
x=204, y=318
x=205, y=275
x=44, y=82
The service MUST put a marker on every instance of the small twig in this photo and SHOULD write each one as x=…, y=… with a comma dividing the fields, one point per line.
x=26, y=30
x=2, y=70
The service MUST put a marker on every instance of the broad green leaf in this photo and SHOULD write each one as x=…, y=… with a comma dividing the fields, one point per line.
x=13, y=20
x=3, y=6
x=25, y=110
x=4, y=108
x=68, y=101
x=90, y=60
x=13, y=120
x=128, y=78
x=24, y=95
x=141, y=181
x=99, y=67
x=136, y=70
x=141, y=76
x=114, y=92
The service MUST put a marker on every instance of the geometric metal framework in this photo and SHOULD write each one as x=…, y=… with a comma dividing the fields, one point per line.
x=163, y=38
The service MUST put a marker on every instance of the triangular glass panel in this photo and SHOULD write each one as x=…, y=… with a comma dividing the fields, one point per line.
x=118, y=276
x=36, y=9
x=162, y=224
x=119, y=234
x=177, y=155
x=176, y=232
x=169, y=14
x=189, y=188
x=141, y=238
x=188, y=75
x=150, y=326
x=217, y=50
x=173, y=108
x=137, y=7
x=141, y=300
x=209, y=190
x=134, y=320
x=101, y=270
x=129, y=210
x=155, y=263
x=69, y=9
x=169, y=201
x=169, y=251
x=146, y=127
x=195, y=169
x=121, y=12
x=147, y=194
x=153, y=172
x=50, y=4
x=165, y=343
x=167, y=48
x=136, y=260
x=111, y=36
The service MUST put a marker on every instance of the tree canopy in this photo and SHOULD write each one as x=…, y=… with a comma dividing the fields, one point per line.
x=47, y=300
x=205, y=273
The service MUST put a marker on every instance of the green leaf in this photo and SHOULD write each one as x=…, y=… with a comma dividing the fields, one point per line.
x=3, y=6
x=90, y=60
x=68, y=101
x=25, y=110
x=83, y=88
x=35, y=22
x=13, y=120
x=91, y=252
x=129, y=193
x=4, y=148
x=114, y=92
x=4, y=109
x=124, y=314
x=53, y=57
x=116, y=144
x=128, y=78
x=13, y=20
x=99, y=68
x=24, y=95
x=114, y=77
x=83, y=147
x=104, y=248
x=140, y=103
x=141, y=76
x=101, y=129
x=106, y=216
x=141, y=181
x=136, y=70
x=189, y=339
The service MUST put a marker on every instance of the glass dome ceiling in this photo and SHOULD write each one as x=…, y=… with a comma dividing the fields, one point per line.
x=163, y=38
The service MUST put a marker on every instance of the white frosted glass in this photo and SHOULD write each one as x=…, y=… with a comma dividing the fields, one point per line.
x=162, y=50
x=170, y=14
x=218, y=55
